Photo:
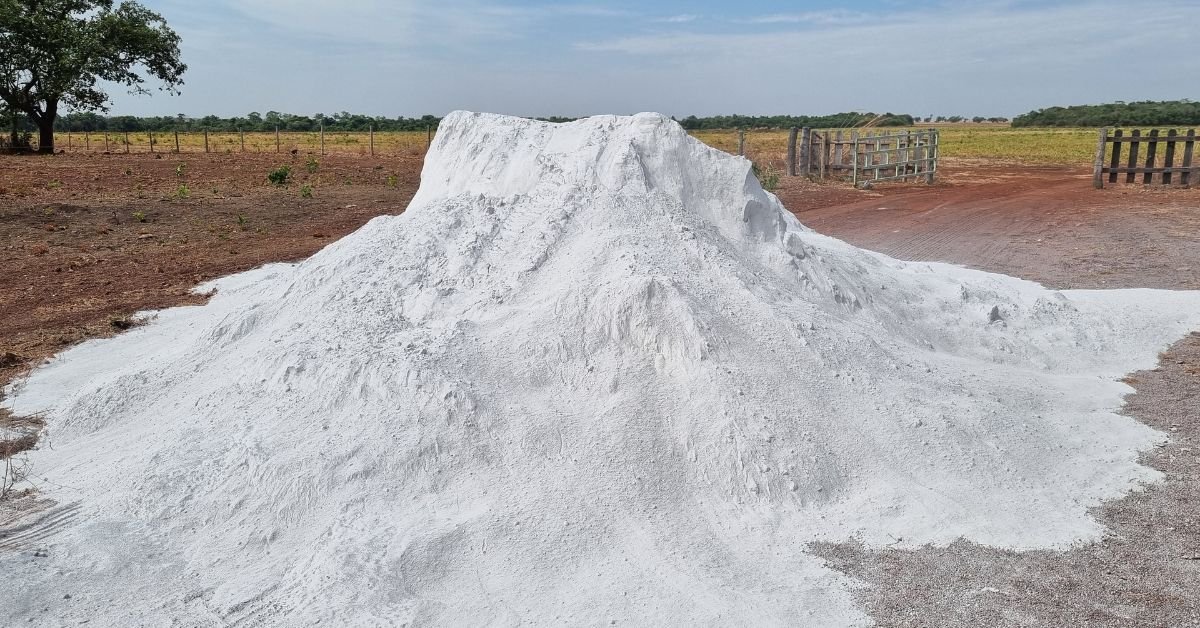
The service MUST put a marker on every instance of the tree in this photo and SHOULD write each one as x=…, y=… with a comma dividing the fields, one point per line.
x=53, y=53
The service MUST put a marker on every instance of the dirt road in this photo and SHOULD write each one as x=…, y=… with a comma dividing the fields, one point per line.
x=1041, y=223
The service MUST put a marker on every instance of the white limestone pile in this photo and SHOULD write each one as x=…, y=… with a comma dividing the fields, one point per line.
x=594, y=373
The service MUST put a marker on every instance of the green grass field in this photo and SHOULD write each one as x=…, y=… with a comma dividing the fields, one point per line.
x=1030, y=146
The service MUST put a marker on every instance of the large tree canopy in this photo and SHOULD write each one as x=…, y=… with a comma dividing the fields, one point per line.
x=56, y=53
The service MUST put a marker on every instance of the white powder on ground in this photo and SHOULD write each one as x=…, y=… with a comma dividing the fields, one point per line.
x=594, y=374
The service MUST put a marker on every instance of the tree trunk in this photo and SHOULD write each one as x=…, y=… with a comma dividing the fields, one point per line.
x=46, y=135
x=45, y=124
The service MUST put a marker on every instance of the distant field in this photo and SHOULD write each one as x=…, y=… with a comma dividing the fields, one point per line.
x=1031, y=146
x=1025, y=145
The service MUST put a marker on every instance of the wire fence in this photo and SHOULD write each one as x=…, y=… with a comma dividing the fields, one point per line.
x=392, y=143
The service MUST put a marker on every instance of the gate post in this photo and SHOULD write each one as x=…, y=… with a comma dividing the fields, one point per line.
x=791, y=152
x=933, y=154
x=1098, y=167
x=854, y=157
x=805, y=151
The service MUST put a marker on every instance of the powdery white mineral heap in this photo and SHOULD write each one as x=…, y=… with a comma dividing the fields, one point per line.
x=594, y=373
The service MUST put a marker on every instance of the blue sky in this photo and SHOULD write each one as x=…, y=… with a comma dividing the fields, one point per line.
x=411, y=57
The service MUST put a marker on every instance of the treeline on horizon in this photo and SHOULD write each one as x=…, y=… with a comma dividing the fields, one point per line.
x=254, y=121
x=835, y=121
x=1145, y=113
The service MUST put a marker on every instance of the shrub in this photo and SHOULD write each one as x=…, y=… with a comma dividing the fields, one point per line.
x=306, y=191
x=768, y=177
x=312, y=164
x=280, y=175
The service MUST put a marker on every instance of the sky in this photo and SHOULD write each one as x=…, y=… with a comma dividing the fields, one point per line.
x=534, y=58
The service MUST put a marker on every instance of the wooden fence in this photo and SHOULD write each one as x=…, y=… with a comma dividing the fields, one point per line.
x=863, y=156
x=1109, y=162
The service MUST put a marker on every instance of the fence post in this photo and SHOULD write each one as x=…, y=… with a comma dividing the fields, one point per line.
x=242, y=139
x=933, y=141
x=87, y=141
x=68, y=140
x=177, y=140
x=1098, y=167
x=322, y=128
x=152, y=141
x=838, y=150
x=1151, y=155
x=854, y=158
x=805, y=151
x=741, y=142
x=106, y=142
x=791, y=152
x=206, y=140
x=1169, y=159
x=1133, y=154
x=372, y=129
x=1186, y=178
x=428, y=136
x=826, y=153
x=1116, y=158
x=127, y=141
x=276, y=138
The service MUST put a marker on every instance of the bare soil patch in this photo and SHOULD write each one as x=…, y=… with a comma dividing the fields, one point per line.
x=87, y=240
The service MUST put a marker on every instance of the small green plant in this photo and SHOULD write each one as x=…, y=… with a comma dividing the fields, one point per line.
x=392, y=180
x=768, y=177
x=241, y=220
x=49, y=211
x=280, y=175
x=311, y=165
x=306, y=191
x=54, y=184
x=183, y=191
x=180, y=169
x=139, y=216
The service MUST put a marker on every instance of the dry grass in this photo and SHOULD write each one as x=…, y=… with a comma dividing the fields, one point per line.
x=991, y=142
x=17, y=435
x=357, y=143
x=995, y=143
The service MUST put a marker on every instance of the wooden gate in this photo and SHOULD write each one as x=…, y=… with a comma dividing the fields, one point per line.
x=1110, y=162
x=864, y=156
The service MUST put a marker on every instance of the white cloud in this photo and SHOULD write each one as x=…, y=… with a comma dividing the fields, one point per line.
x=839, y=16
x=678, y=19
